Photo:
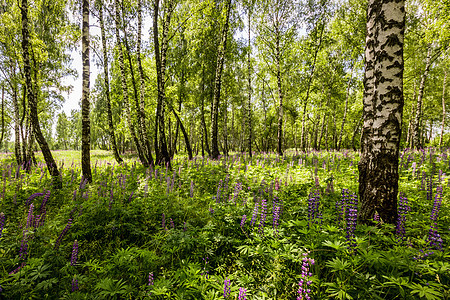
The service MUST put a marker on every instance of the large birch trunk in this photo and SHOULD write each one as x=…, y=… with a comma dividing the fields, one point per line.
x=383, y=108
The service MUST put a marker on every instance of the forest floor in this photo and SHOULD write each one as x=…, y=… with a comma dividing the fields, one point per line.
x=266, y=227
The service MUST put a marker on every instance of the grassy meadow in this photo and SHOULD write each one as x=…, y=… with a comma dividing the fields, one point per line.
x=266, y=227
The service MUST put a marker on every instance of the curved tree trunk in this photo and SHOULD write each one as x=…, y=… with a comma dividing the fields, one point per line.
x=305, y=101
x=345, y=109
x=126, y=100
x=85, y=120
x=383, y=109
x=163, y=156
x=217, y=85
x=112, y=135
x=32, y=101
x=416, y=143
x=144, y=128
x=443, y=109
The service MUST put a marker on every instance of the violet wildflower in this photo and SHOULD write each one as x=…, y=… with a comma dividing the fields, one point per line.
x=204, y=270
x=63, y=233
x=30, y=216
x=242, y=294
x=226, y=288
x=244, y=218
x=434, y=237
x=262, y=220
x=276, y=215
x=313, y=208
x=74, y=285
x=24, y=245
x=191, y=190
x=32, y=197
x=422, y=182
x=430, y=188
x=255, y=214
x=74, y=257
x=172, y=224
x=304, y=285
x=351, y=218
x=414, y=169
x=2, y=223
x=151, y=282
x=403, y=210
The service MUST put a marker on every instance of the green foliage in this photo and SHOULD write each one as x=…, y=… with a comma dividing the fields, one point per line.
x=122, y=238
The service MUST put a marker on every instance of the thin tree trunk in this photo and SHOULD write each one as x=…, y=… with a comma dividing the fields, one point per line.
x=160, y=58
x=305, y=102
x=144, y=129
x=85, y=120
x=249, y=107
x=217, y=85
x=416, y=131
x=3, y=115
x=345, y=109
x=112, y=134
x=140, y=129
x=17, y=151
x=202, y=112
x=125, y=87
x=355, y=132
x=280, y=93
x=51, y=164
x=443, y=109
x=383, y=109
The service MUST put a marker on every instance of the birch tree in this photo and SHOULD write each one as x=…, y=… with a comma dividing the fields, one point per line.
x=383, y=108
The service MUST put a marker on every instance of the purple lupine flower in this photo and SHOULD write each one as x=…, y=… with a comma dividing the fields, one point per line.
x=2, y=223
x=44, y=202
x=244, y=218
x=24, y=245
x=226, y=288
x=423, y=181
x=131, y=197
x=191, y=190
x=313, y=208
x=74, y=285
x=276, y=215
x=172, y=224
x=151, y=280
x=23, y=264
x=204, y=270
x=351, y=217
x=32, y=197
x=304, y=285
x=434, y=238
x=403, y=210
x=262, y=220
x=74, y=257
x=414, y=165
x=242, y=294
x=423, y=255
x=163, y=221
x=255, y=214
x=430, y=187
x=341, y=204
x=30, y=217
x=63, y=233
